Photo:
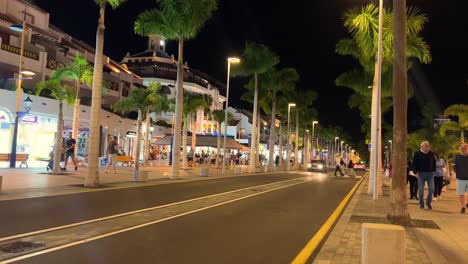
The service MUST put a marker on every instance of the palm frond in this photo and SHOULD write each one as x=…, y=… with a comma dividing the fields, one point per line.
x=256, y=58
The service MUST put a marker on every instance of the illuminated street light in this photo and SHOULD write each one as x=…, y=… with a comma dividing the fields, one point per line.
x=21, y=71
x=289, y=136
x=234, y=61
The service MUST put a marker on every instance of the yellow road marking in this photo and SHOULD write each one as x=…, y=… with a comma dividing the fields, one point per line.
x=310, y=247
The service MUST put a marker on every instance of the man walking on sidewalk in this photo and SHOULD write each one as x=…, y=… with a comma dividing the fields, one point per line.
x=460, y=166
x=424, y=165
x=112, y=148
x=70, y=151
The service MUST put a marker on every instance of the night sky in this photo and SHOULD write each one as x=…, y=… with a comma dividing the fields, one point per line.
x=303, y=34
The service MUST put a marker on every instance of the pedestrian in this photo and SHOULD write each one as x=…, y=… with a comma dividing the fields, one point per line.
x=70, y=151
x=351, y=171
x=190, y=157
x=424, y=168
x=438, y=177
x=413, y=181
x=460, y=166
x=389, y=167
x=112, y=148
x=338, y=164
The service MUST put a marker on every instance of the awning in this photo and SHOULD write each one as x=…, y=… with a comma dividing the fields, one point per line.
x=205, y=141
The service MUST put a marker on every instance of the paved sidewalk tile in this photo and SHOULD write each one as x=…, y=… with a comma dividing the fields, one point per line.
x=442, y=239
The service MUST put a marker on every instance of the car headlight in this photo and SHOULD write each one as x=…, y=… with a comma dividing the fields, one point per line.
x=309, y=165
x=320, y=166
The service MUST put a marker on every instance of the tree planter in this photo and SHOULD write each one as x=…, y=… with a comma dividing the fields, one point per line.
x=140, y=176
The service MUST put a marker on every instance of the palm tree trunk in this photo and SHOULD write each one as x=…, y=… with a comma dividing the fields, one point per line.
x=194, y=132
x=257, y=147
x=280, y=145
x=92, y=177
x=184, y=143
x=146, y=139
x=136, y=154
x=254, y=123
x=375, y=132
x=462, y=136
x=218, y=145
x=178, y=112
x=58, y=141
x=399, y=206
x=271, y=143
x=76, y=121
x=296, y=147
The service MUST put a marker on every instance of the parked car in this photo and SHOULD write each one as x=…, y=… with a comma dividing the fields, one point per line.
x=360, y=166
x=317, y=165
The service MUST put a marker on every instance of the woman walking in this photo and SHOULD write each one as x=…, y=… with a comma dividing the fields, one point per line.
x=438, y=177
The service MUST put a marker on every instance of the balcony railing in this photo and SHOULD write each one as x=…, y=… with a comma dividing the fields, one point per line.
x=53, y=65
x=16, y=50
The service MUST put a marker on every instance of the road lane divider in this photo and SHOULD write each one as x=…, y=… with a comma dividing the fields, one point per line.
x=53, y=239
x=312, y=245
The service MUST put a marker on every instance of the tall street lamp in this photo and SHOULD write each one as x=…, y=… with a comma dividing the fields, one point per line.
x=375, y=118
x=21, y=72
x=391, y=149
x=229, y=61
x=336, y=146
x=313, y=131
x=289, y=132
x=341, y=147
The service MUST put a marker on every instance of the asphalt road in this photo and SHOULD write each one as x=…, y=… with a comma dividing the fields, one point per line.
x=268, y=228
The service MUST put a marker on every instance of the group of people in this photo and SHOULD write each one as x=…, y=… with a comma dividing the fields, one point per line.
x=427, y=166
x=343, y=166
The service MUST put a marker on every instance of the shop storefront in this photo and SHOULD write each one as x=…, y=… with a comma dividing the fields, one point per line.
x=36, y=134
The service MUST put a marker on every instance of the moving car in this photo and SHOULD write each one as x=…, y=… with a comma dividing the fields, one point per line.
x=317, y=165
x=360, y=166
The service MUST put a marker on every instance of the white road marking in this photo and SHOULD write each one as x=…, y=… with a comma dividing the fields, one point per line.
x=132, y=212
x=153, y=222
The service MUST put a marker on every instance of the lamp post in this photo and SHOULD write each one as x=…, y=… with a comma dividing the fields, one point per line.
x=289, y=136
x=391, y=149
x=313, y=132
x=375, y=118
x=341, y=148
x=336, y=146
x=346, y=152
x=21, y=72
x=229, y=61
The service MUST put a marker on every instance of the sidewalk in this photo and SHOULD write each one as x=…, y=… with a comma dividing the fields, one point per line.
x=33, y=182
x=441, y=235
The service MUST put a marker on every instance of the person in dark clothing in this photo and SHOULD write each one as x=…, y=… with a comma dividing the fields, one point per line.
x=460, y=166
x=413, y=181
x=70, y=151
x=424, y=165
x=438, y=177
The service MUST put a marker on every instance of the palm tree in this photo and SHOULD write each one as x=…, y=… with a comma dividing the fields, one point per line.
x=80, y=71
x=63, y=93
x=142, y=101
x=461, y=111
x=256, y=59
x=362, y=24
x=399, y=206
x=218, y=116
x=273, y=83
x=163, y=103
x=181, y=21
x=304, y=101
x=92, y=177
x=192, y=103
